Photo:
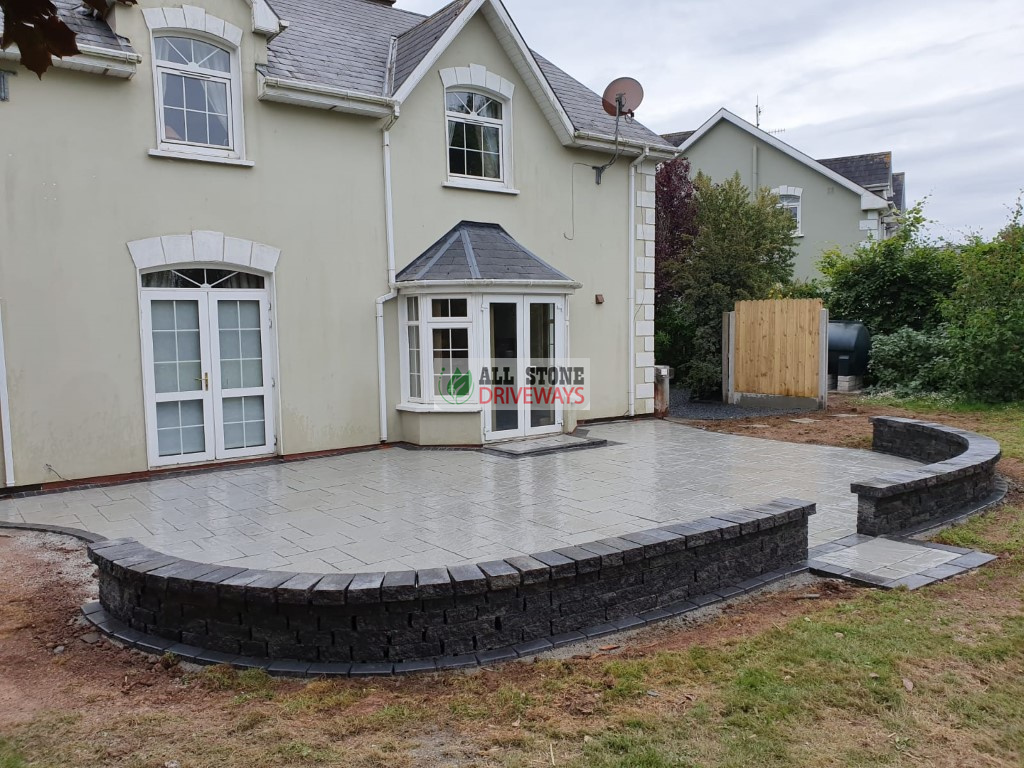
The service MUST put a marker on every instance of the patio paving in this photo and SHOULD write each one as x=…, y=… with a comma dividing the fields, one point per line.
x=401, y=509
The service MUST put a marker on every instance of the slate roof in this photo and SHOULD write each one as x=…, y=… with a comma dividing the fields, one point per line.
x=676, y=139
x=415, y=44
x=478, y=251
x=874, y=170
x=88, y=29
x=347, y=43
x=899, y=190
x=341, y=43
x=586, y=110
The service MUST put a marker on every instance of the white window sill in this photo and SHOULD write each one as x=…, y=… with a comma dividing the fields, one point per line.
x=200, y=158
x=479, y=186
x=439, y=408
x=798, y=234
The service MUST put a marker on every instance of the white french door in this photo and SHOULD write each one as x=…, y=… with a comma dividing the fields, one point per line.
x=207, y=373
x=523, y=332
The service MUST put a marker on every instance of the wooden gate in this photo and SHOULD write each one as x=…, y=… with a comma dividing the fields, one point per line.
x=777, y=348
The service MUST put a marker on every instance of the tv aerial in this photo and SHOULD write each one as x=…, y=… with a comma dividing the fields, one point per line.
x=621, y=99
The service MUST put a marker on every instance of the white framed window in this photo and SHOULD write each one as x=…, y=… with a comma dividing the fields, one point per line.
x=475, y=136
x=197, y=86
x=790, y=201
x=437, y=345
x=478, y=129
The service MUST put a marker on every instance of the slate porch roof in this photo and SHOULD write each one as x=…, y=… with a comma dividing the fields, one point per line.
x=870, y=171
x=479, y=251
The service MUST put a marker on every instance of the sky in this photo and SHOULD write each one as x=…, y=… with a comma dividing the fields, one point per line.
x=937, y=82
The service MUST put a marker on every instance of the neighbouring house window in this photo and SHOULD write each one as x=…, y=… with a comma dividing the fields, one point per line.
x=476, y=136
x=789, y=201
x=438, y=344
x=198, y=97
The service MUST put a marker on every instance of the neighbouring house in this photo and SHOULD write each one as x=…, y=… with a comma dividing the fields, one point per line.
x=839, y=202
x=234, y=230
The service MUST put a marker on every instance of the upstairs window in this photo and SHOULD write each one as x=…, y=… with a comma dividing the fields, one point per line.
x=195, y=86
x=789, y=201
x=475, y=135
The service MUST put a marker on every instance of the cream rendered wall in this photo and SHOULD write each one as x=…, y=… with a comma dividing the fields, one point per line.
x=541, y=217
x=78, y=185
x=830, y=215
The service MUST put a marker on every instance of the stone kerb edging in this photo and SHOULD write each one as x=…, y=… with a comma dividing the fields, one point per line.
x=372, y=623
x=960, y=476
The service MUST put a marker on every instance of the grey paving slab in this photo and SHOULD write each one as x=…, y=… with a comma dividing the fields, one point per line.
x=402, y=509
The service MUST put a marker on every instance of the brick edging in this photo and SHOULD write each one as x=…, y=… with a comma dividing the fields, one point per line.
x=407, y=617
x=960, y=474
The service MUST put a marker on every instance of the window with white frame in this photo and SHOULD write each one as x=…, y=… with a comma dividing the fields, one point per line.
x=790, y=202
x=437, y=345
x=198, y=97
x=477, y=136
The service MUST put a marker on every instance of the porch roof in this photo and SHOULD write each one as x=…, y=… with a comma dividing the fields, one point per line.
x=478, y=251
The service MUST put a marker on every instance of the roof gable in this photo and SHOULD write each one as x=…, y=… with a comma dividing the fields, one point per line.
x=573, y=110
x=479, y=251
x=868, y=200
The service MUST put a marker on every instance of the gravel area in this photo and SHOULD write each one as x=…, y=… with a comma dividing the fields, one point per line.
x=681, y=407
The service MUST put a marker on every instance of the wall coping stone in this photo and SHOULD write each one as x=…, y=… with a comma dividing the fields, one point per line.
x=979, y=453
x=128, y=558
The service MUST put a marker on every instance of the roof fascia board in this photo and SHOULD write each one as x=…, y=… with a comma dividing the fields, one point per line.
x=322, y=97
x=516, y=48
x=786, y=149
x=92, y=59
x=602, y=143
x=430, y=60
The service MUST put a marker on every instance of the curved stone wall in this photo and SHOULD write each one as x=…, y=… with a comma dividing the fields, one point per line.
x=960, y=475
x=458, y=616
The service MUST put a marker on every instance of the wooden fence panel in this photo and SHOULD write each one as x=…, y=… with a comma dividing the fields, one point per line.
x=777, y=347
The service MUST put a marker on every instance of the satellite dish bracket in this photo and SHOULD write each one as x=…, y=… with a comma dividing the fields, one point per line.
x=620, y=98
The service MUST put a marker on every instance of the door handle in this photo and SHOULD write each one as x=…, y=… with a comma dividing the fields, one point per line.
x=206, y=381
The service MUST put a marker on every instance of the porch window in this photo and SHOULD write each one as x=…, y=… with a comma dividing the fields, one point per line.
x=437, y=347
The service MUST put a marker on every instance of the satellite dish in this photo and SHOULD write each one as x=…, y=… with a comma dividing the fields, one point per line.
x=623, y=97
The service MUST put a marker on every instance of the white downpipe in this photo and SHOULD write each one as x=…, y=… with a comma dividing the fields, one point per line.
x=631, y=324
x=5, y=412
x=754, y=187
x=389, y=227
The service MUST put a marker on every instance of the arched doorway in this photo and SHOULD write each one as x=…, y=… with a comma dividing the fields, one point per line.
x=207, y=363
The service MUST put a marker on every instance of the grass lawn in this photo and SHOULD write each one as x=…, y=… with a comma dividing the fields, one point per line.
x=854, y=677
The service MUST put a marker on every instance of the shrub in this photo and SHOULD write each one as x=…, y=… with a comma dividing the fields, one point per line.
x=986, y=317
x=909, y=362
x=891, y=284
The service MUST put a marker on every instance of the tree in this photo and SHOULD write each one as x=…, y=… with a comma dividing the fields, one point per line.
x=985, y=317
x=739, y=246
x=37, y=29
x=891, y=284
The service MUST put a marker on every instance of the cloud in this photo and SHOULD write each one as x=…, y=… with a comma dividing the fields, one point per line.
x=938, y=83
